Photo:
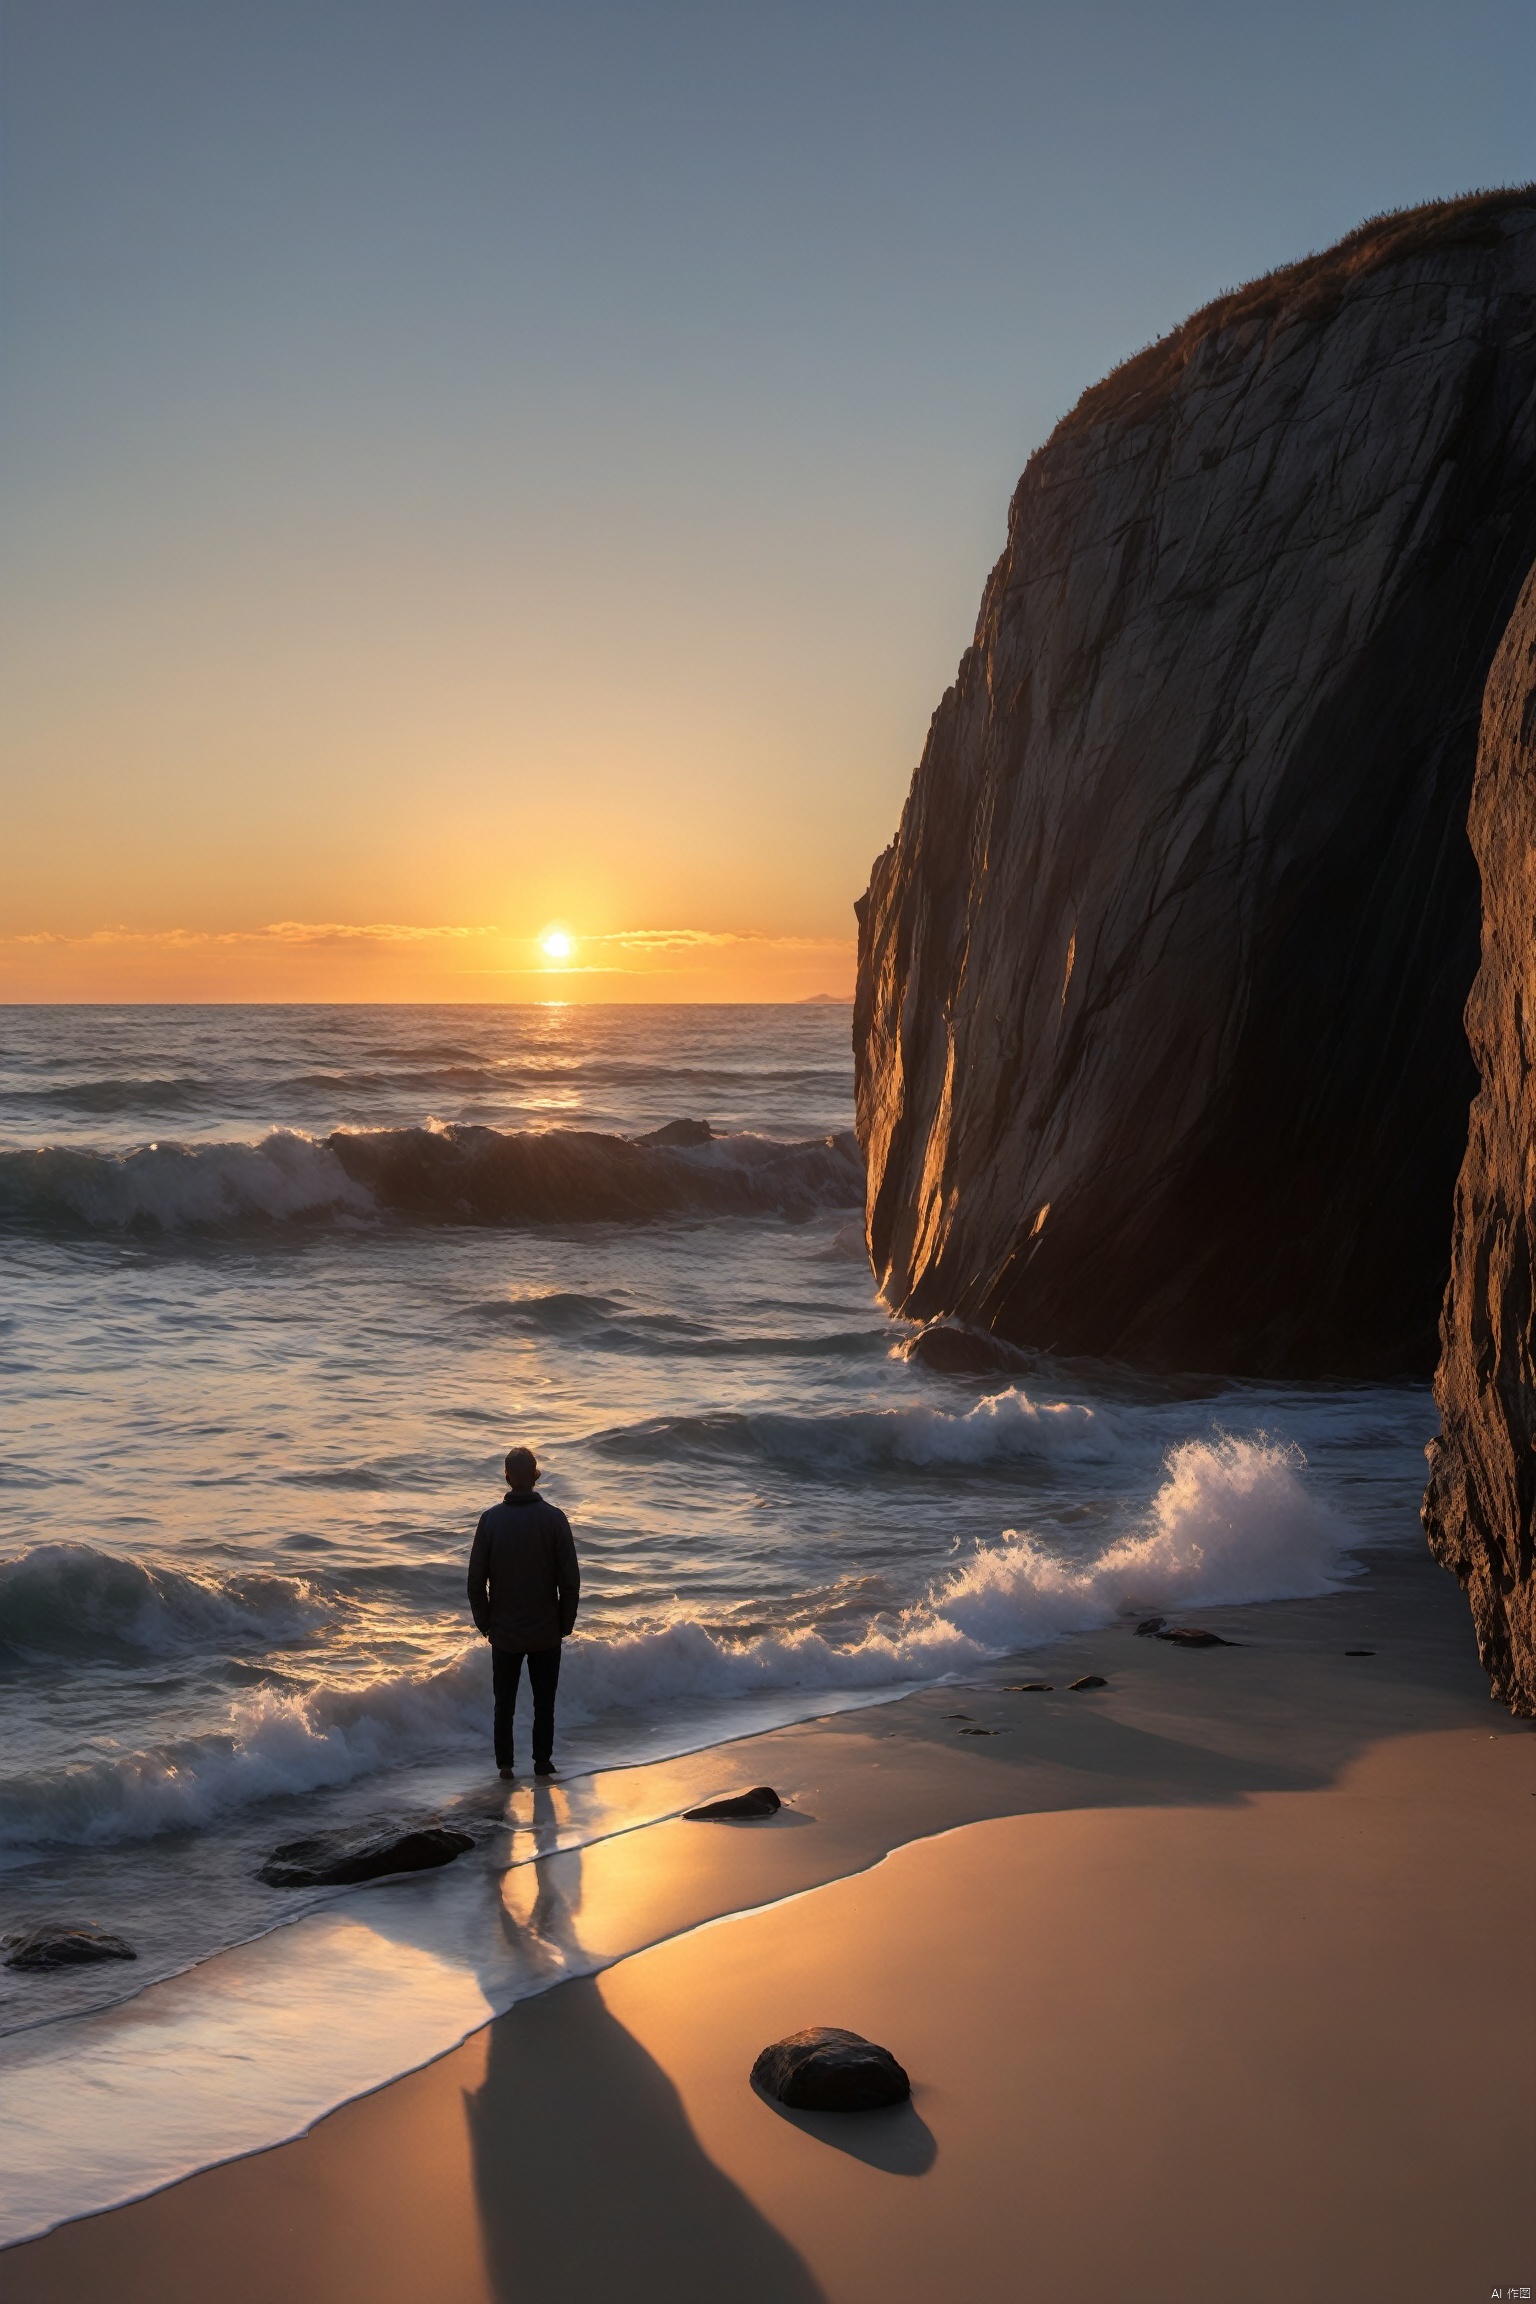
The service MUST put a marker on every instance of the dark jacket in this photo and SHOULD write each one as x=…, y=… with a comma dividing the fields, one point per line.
x=523, y=1579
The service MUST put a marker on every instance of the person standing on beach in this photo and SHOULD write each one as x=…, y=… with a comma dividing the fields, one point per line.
x=524, y=1585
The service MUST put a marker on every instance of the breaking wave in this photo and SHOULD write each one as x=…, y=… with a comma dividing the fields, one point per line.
x=71, y=1600
x=1234, y=1520
x=453, y=1175
x=275, y=1745
x=1001, y=1429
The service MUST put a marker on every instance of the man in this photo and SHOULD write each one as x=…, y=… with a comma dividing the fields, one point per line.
x=524, y=1584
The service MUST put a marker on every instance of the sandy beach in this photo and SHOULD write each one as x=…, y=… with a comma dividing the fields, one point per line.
x=767, y=956
x=1214, y=1981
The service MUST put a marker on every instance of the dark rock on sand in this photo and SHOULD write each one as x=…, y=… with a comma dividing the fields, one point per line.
x=1030, y=1688
x=337, y=1859
x=1089, y=1680
x=1478, y=1507
x=678, y=1135
x=981, y=1731
x=1359, y=1651
x=64, y=1944
x=1158, y=1029
x=1195, y=1639
x=762, y=1800
x=1149, y=1625
x=828, y=2070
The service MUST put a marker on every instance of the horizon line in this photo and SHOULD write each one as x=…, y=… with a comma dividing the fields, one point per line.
x=800, y=1000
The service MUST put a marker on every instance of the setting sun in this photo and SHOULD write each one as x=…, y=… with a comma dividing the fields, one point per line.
x=557, y=944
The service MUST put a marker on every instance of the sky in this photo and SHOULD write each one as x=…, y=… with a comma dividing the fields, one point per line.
x=479, y=475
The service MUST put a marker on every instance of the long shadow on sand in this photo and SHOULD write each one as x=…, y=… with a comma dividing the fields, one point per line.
x=657, y=2222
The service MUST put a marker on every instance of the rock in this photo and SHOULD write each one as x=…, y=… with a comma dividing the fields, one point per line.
x=1149, y=1625
x=762, y=1800
x=64, y=1944
x=981, y=1731
x=678, y=1135
x=339, y=1858
x=951, y=1351
x=1194, y=1639
x=1478, y=1507
x=1359, y=1651
x=1089, y=1680
x=828, y=2070
x=1030, y=1688
x=1157, y=1037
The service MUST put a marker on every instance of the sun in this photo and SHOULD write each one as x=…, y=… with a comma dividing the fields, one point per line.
x=557, y=944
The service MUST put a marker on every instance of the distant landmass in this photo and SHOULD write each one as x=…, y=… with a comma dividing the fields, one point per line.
x=827, y=1000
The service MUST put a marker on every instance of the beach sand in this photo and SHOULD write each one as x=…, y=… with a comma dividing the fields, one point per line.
x=1215, y=1982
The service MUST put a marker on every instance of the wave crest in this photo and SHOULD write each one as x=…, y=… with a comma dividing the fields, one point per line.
x=456, y=1175
x=1232, y=1521
x=1004, y=1428
x=60, y=1600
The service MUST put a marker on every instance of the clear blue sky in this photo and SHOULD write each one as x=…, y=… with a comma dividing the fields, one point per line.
x=456, y=450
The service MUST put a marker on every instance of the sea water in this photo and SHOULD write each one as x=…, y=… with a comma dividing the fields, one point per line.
x=282, y=1285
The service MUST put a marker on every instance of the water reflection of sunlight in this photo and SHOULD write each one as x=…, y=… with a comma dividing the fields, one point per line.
x=257, y=2043
x=541, y=1902
x=547, y=1812
x=235, y=2054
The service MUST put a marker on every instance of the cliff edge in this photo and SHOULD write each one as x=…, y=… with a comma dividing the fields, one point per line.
x=1158, y=1027
x=1482, y=1480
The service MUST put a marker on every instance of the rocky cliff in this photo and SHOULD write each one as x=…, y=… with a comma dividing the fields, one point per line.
x=1158, y=1030
x=1482, y=1479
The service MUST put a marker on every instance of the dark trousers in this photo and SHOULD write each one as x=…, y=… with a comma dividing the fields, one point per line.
x=543, y=1676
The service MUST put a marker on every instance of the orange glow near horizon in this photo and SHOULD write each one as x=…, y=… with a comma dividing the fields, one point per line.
x=325, y=961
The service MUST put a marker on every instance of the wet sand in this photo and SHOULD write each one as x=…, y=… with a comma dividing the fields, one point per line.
x=1214, y=1982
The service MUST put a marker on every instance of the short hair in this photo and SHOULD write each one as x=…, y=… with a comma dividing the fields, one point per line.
x=521, y=1467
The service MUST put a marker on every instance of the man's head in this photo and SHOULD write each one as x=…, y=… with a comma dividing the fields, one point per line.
x=522, y=1469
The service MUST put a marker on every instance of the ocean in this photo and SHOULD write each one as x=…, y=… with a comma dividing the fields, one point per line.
x=282, y=1285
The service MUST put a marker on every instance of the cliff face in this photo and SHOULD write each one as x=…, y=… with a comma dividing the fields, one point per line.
x=1482, y=1479
x=1158, y=1030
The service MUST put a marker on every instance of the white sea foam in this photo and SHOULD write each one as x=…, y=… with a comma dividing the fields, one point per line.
x=1233, y=1520
x=275, y=1745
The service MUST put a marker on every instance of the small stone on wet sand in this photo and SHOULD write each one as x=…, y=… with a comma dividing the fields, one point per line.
x=64, y=1944
x=762, y=1800
x=344, y=1858
x=825, y=2069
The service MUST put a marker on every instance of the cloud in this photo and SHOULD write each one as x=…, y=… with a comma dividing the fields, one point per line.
x=275, y=932
x=711, y=939
x=636, y=941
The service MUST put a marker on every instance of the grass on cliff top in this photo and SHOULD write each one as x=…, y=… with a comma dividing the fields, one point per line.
x=1311, y=290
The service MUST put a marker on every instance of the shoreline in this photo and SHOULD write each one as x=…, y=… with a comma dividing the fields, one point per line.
x=1285, y=1713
